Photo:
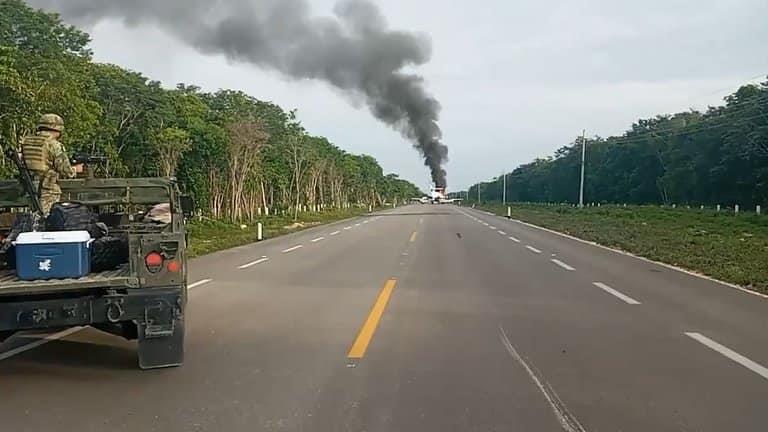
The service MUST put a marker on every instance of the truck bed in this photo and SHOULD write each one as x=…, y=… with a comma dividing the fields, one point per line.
x=119, y=278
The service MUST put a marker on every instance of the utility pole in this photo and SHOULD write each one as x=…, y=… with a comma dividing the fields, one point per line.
x=583, y=161
x=504, y=194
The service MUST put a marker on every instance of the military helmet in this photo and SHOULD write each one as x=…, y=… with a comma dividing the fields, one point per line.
x=52, y=122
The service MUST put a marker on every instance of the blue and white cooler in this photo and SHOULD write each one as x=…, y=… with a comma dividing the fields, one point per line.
x=53, y=255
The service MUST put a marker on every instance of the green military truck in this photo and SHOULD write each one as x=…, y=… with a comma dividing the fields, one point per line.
x=141, y=299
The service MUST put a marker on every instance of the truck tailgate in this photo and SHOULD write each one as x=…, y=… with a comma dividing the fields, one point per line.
x=120, y=278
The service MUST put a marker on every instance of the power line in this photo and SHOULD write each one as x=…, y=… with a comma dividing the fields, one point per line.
x=730, y=89
x=699, y=127
x=742, y=107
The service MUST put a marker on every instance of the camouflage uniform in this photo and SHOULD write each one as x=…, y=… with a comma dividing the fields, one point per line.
x=47, y=160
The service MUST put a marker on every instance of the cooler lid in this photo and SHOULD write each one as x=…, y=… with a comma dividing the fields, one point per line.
x=53, y=237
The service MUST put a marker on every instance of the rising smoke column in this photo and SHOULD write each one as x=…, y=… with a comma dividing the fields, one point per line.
x=355, y=51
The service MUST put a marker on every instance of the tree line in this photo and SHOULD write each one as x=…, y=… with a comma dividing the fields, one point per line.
x=237, y=156
x=719, y=156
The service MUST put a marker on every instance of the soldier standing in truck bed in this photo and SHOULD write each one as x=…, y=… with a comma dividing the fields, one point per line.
x=47, y=159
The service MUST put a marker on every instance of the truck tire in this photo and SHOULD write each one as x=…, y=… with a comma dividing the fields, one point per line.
x=161, y=352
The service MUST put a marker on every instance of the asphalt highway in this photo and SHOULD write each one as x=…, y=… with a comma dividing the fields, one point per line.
x=421, y=318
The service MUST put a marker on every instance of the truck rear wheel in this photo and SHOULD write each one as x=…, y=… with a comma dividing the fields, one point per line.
x=161, y=347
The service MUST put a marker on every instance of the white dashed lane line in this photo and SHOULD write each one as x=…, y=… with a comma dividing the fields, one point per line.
x=626, y=299
x=39, y=342
x=563, y=265
x=347, y=228
x=293, y=248
x=729, y=353
x=319, y=239
x=533, y=249
x=335, y=233
x=253, y=263
x=502, y=233
x=199, y=283
x=516, y=240
x=492, y=227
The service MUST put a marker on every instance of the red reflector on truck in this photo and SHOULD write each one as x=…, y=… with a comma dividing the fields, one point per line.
x=174, y=266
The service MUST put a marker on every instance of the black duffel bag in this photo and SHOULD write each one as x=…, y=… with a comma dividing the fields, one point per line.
x=108, y=253
x=71, y=216
x=24, y=222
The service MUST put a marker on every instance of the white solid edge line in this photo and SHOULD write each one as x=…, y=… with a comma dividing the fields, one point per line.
x=39, y=342
x=502, y=233
x=563, y=265
x=198, y=283
x=297, y=247
x=625, y=298
x=567, y=420
x=335, y=233
x=318, y=239
x=516, y=240
x=253, y=263
x=648, y=260
x=731, y=354
x=533, y=249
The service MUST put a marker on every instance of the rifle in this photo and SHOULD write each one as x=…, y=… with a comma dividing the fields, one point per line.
x=88, y=160
x=25, y=178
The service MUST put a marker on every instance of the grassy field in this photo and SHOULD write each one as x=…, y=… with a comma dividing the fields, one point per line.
x=733, y=248
x=208, y=236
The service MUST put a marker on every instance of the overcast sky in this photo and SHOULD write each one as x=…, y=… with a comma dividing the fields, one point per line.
x=516, y=79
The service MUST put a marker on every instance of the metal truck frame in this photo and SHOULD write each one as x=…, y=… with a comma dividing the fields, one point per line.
x=138, y=300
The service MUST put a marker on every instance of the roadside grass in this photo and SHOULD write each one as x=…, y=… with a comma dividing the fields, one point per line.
x=207, y=235
x=732, y=248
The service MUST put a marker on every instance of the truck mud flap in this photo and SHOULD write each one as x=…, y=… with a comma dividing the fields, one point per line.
x=161, y=346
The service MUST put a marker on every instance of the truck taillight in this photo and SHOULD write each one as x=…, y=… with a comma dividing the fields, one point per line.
x=154, y=262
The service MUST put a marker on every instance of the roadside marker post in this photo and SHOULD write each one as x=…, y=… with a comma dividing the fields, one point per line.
x=259, y=232
x=718, y=207
x=757, y=209
x=509, y=212
x=736, y=209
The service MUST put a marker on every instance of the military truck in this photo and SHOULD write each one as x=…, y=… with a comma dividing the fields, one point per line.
x=142, y=299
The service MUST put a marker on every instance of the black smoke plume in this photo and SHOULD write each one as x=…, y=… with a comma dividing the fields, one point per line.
x=354, y=51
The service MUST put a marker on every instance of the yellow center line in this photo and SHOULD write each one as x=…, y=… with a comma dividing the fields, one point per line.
x=413, y=237
x=369, y=328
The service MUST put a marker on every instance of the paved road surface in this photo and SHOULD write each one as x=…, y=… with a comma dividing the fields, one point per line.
x=425, y=318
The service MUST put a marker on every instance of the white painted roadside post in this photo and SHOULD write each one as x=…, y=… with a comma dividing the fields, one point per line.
x=757, y=209
x=718, y=207
x=702, y=207
x=736, y=209
x=509, y=212
x=259, y=232
x=266, y=211
x=370, y=208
